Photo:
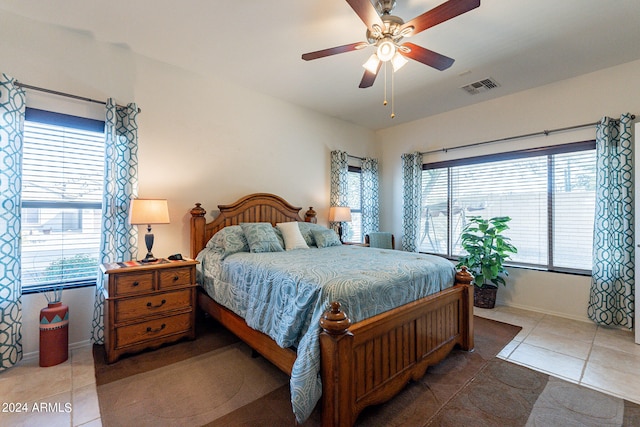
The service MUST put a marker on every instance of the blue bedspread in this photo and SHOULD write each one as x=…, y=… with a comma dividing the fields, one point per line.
x=283, y=294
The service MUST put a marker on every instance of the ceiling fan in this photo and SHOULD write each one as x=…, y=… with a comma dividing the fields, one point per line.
x=386, y=31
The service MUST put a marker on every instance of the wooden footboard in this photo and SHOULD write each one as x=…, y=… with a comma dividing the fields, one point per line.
x=371, y=361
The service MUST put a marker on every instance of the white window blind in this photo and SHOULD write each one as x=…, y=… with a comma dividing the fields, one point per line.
x=62, y=184
x=549, y=194
x=355, y=203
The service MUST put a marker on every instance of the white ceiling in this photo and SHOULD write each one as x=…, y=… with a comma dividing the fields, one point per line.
x=258, y=44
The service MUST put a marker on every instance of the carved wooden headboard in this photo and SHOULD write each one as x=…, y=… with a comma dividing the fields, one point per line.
x=257, y=207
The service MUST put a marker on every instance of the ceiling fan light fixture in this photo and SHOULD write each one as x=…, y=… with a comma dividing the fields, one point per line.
x=386, y=50
x=398, y=61
x=372, y=64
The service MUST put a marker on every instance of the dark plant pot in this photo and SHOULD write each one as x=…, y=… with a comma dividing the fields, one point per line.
x=484, y=297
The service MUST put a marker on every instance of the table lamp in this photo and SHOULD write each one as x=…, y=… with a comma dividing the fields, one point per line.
x=148, y=211
x=339, y=214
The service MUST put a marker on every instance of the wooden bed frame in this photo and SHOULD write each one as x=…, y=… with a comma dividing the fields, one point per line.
x=362, y=364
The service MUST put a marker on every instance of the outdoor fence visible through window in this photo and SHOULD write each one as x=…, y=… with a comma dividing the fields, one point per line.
x=549, y=193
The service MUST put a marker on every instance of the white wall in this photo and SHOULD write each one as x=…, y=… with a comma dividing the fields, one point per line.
x=200, y=139
x=580, y=100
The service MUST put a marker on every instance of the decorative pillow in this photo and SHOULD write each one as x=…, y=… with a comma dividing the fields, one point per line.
x=229, y=240
x=306, y=228
x=325, y=238
x=261, y=237
x=279, y=235
x=292, y=236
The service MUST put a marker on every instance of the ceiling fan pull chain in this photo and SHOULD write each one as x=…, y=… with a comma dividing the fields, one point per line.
x=385, y=84
x=393, y=114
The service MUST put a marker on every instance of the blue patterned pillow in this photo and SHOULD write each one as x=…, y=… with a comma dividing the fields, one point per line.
x=261, y=237
x=229, y=240
x=306, y=229
x=325, y=238
x=279, y=236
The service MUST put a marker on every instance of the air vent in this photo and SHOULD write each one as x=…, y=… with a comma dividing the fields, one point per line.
x=480, y=86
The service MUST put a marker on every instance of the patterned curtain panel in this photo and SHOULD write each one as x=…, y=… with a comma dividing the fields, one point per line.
x=12, y=108
x=370, y=204
x=411, y=200
x=340, y=186
x=119, y=241
x=611, y=301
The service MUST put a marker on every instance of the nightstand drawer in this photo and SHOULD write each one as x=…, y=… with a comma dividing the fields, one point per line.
x=152, y=330
x=131, y=308
x=134, y=283
x=175, y=277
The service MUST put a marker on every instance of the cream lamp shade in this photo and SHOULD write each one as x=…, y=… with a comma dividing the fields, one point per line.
x=148, y=211
x=339, y=214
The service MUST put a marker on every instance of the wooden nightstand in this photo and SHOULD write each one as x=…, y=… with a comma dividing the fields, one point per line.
x=147, y=305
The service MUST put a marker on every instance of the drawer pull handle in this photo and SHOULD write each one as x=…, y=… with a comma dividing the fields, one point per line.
x=157, y=329
x=136, y=283
x=163, y=302
x=175, y=278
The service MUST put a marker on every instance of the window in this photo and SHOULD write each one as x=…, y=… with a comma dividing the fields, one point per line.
x=355, y=203
x=549, y=193
x=62, y=184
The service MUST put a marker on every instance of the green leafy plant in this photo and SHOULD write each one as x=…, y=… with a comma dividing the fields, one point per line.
x=68, y=268
x=487, y=249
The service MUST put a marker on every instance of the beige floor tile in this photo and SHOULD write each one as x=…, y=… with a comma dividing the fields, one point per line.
x=29, y=382
x=526, y=319
x=551, y=362
x=542, y=337
x=82, y=354
x=612, y=381
x=568, y=328
x=83, y=375
x=484, y=312
x=615, y=360
x=83, y=370
x=617, y=339
x=519, y=313
x=85, y=404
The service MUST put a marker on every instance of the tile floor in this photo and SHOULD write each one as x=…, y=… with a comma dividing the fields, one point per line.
x=61, y=395
x=604, y=359
x=601, y=358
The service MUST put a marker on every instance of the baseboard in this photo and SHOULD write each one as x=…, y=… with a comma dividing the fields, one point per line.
x=73, y=346
x=584, y=319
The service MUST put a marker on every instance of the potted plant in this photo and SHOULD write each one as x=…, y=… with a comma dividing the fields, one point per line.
x=487, y=249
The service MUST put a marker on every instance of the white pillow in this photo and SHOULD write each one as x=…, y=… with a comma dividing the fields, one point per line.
x=292, y=236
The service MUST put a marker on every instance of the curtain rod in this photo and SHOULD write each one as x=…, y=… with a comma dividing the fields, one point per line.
x=355, y=157
x=527, y=135
x=67, y=95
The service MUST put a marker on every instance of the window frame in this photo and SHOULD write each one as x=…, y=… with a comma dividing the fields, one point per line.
x=549, y=152
x=81, y=123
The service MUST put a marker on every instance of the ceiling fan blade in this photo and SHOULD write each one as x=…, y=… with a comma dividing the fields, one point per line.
x=367, y=12
x=439, y=14
x=334, y=51
x=426, y=56
x=368, y=78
